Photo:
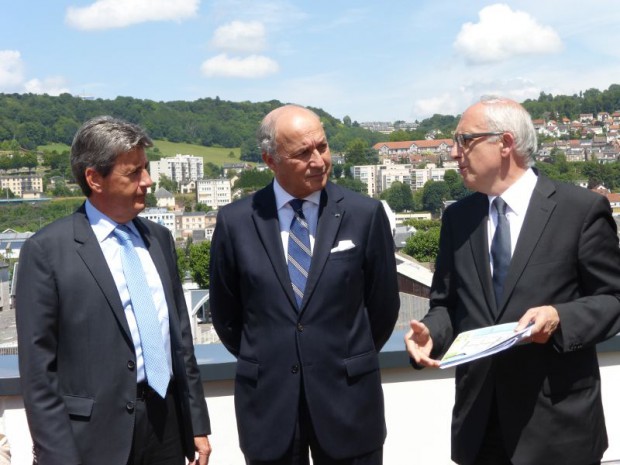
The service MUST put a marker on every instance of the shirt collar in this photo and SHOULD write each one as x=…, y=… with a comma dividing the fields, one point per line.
x=103, y=225
x=518, y=195
x=283, y=197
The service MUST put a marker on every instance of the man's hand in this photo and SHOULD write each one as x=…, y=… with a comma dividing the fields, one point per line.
x=545, y=321
x=201, y=443
x=419, y=344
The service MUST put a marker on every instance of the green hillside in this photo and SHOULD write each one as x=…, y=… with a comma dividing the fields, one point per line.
x=216, y=155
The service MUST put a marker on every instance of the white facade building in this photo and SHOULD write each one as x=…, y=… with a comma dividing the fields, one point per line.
x=179, y=168
x=368, y=175
x=160, y=216
x=214, y=192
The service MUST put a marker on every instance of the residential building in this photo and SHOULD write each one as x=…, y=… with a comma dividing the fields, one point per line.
x=179, y=168
x=368, y=175
x=187, y=223
x=165, y=199
x=214, y=192
x=23, y=184
x=161, y=216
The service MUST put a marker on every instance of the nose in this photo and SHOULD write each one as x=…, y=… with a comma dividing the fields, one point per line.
x=316, y=158
x=455, y=151
x=146, y=180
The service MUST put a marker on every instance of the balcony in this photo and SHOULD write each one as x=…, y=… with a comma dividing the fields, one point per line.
x=418, y=406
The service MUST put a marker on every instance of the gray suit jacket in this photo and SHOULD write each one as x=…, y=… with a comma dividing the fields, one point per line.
x=548, y=396
x=76, y=357
x=329, y=347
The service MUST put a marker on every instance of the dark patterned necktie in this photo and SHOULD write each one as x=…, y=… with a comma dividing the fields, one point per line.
x=299, y=253
x=500, y=249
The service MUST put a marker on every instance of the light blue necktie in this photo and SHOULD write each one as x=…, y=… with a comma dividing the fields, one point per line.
x=500, y=249
x=299, y=253
x=153, y=353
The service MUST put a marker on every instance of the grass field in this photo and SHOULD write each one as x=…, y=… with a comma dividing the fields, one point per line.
x=51, y=147
x=215, y=155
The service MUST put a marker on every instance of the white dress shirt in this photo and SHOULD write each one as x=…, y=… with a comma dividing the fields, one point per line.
x=517, y=198
x=286, y=214
x=103, y=227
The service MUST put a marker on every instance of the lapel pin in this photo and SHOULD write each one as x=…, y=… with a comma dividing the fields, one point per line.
x=337, y=215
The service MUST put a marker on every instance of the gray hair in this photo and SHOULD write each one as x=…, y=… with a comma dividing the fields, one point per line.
x=266, y=133
x=99, y=142
x=506, y=115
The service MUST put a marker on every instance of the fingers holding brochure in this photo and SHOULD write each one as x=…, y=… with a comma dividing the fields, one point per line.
x=544, y=322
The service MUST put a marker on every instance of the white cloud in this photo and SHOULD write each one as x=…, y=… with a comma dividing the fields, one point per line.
x=11, y=69
x=503, y=33
x=253, y=66
x=107, y=14
x=444, y=104
x=239, y=36
x=50, y=86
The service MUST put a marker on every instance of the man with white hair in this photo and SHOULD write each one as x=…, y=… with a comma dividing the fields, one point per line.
x=527, y=249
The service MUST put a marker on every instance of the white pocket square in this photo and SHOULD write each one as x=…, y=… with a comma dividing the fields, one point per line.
x=342, y=246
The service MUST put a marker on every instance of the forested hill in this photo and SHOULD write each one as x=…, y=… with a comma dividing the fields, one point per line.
x=34, y=120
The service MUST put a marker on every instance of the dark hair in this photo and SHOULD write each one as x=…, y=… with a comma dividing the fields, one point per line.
x=99, y=142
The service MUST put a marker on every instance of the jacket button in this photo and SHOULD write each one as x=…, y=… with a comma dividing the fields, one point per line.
x=295, y=369
x=300, y=327
x=130, y=406
x=131, y=364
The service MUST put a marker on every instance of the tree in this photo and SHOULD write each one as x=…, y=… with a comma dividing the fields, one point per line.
x=399, y=196
x=253, y=179
x=354, y=184
x=423, y=245
x=250, y=151
x=434, y=194
x=347, y=121
x=423, y=225
x=166, y=183
x=199, y=258
x=337, y=171
x=455, y=185
x=358, y=153
x=212, y=171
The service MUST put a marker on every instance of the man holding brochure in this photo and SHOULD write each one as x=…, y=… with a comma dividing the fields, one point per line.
x=529, y=250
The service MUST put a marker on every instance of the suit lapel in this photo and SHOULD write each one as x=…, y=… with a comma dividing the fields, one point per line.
x=538, y=213
x=479, y=243
x=92, y=255
x=330, y=217
x=265, y=217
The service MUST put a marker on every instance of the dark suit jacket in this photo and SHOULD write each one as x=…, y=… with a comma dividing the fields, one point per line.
x=76, y=357
x=329, y=347
x=548, y=395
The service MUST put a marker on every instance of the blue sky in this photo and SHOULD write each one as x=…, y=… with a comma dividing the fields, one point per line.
x=370, y=60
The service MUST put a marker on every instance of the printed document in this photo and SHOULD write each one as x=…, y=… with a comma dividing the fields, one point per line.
x=478, y=343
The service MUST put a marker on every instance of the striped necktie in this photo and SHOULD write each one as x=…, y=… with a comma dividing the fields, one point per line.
x=299, y=253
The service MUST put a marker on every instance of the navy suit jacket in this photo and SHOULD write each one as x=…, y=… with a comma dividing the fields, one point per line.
x=548, y=396
x=76, y=356
x=329, y=347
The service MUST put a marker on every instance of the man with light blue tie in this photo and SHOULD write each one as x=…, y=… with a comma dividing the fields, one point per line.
x=304, y=294
x=105, y=348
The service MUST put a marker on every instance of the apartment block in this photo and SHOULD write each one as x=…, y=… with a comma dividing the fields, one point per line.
x=179, y=168
x=214, y=192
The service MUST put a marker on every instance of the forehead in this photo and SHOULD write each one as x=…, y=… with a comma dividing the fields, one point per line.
x=299, y=128
x=473, y=119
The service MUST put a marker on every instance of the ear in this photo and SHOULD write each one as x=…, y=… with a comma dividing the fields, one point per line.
x=507, y=143
x=94, y=180
x=269, y=161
